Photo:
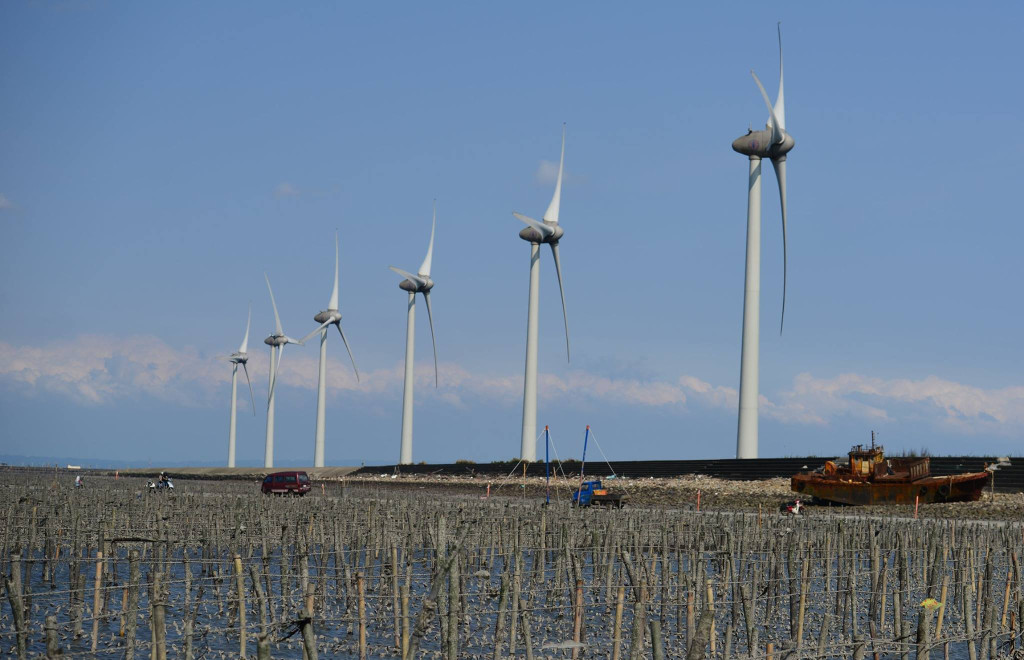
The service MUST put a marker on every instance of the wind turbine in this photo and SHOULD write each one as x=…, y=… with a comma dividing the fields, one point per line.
x=419, y=283
x=326, y=318
x=239, y=358
x=774, y=143
x=277, y=342
x=536, y=233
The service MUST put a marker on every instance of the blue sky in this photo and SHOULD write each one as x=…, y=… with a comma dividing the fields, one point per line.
x=158, y=158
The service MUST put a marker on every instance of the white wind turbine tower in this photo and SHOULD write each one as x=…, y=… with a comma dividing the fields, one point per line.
x=277, y=343
x=774, y=143
x=419, y=283
x=326, y=318
x=239, y=358
x=548, y=232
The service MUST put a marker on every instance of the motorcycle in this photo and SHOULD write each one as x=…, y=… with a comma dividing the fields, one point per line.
x=161, y=485
x=791, y=508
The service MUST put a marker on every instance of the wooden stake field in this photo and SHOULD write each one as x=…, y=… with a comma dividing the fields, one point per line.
x=214, y=569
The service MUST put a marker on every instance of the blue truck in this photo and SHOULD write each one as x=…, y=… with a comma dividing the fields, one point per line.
x=592, y=493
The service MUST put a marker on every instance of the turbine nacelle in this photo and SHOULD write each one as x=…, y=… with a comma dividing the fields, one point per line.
x=280, y=340
x=238, y=358
x=759, y=144
x=418, y=283
x=425, y=284
x=328, y=316
x=541, y=232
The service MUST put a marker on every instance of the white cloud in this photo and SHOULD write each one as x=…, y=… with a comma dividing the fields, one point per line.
x=964, y=407
x=715, y=396
x=583, y=385
x=5, y=203
x=285, y=189
x=98, y=370
x=547, y=174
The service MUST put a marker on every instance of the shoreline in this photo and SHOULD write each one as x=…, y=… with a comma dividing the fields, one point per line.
x=681, y=493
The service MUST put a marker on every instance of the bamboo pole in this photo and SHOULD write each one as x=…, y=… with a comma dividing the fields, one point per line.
x=499, y=626
x=97, y=600
x=617, y=625
x=240, y=589
x=657, y=651
x=261, y=597
x=942, y=608
x=804, y=585
x=524, y=616
x=50, y=630
x=405, y=608
x=361, y=592
x=699, y=642
x=14, y=597
x=395, y=597
x=453, y=610
x=131, y=616
x=124, y=605
x=308, y=635
x=577, y=618
x=711, y=606
x=159, y=616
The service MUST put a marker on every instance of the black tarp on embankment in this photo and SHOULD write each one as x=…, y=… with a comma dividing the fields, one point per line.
x=1008, y=479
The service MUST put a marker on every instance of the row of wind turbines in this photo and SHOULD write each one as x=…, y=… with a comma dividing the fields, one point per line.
x=773, y=143
x=413, y=284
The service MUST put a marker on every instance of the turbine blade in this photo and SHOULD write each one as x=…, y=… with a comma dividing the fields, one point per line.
x=776, y=127
x=277, y=369
x=780, y=101
x=415, y=279
x=551, y=215
x=273, y=375
x=277, y=318
x=251, y=397
x=565, y=317
x=780, y=174
x=245, y=341
x=544, y=230
x=345, y=341
x=333, y=304
x=307, y=337
x=430, y=318
x=289, y=340
x=428, y=260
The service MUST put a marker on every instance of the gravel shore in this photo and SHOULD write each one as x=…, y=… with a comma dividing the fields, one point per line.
x=682, y=492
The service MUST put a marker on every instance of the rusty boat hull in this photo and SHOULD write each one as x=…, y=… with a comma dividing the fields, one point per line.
x=953, y=488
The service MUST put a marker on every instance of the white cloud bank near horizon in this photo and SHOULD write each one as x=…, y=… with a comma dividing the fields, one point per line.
x=100, y=370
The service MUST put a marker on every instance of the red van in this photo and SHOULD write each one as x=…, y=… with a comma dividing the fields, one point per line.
x=295, y=482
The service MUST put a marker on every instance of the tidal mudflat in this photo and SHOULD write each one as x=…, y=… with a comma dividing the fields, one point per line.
x=215, y=569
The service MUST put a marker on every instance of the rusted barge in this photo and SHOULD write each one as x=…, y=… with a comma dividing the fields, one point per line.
x=870, y=478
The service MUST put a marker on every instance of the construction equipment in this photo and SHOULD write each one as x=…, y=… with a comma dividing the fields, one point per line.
x=592, y=493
